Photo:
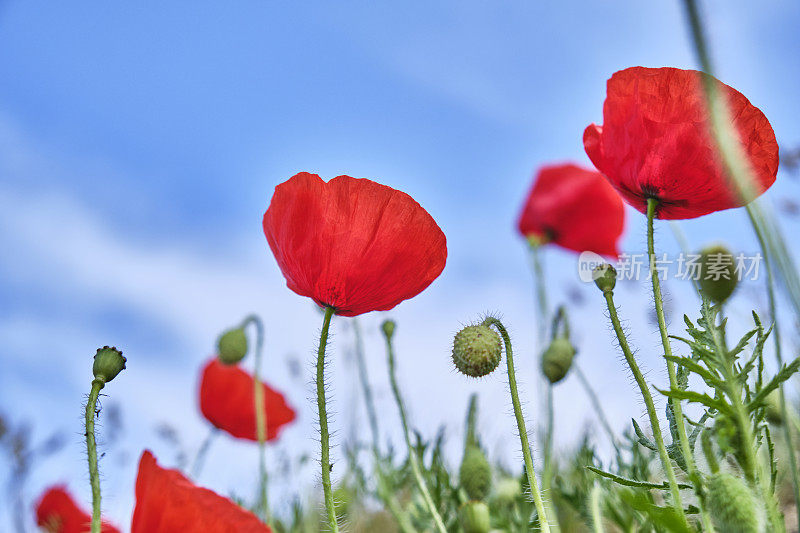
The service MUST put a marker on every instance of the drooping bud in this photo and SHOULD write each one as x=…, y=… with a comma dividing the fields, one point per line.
x=731, y=504
x=474, y=517
x=718, y=276
x=232, y=346
x=475, y=474
x=388, y=328
x=108, y=362
x=477, y=350
x=605, y=277
x=557, y=359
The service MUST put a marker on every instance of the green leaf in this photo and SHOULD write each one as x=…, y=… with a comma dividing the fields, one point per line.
x=696, y=397
x=634, y=482
x=759, y=400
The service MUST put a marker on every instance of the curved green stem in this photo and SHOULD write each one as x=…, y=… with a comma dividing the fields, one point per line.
x=594, y=502
x=199, y=459
x=261, y=415
x=541, y=292
x=325, y=459
x=648, y=402
x=91, y=448
x=523, y=431
x=413, y=459
x=598, y=407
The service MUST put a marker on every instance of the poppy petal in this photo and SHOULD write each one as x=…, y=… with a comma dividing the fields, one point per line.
x=57, y=512
x=227, y=400
x=575, y=208
x=655, y=142
x=166, y=501
x=352, y=244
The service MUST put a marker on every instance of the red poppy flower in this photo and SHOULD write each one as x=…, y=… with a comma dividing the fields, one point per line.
x=167, y=502
x=57, y=512
x=575, y=208
x=655, y=142
x=352, y=244
x=227, y=400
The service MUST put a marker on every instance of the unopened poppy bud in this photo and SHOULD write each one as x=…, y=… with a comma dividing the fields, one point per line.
x=718, y=276
x=477, y=350
x=388, y=328
x=475, y=474
x=232, y=346
x=474, y=517
x=108, y=362
x=557, y=359
x=605, y=277
x=731, y=504
x=773, y=412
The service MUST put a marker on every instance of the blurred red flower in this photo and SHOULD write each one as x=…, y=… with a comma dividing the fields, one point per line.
x=655, y=142
x=227, y=400
x=575, y=208
x=57, y=512
x=352, y=244
x=166, y=502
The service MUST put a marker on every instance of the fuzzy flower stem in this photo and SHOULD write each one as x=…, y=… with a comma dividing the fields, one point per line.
x=413, y=459
x=325, y=459
x=91, y=447
x=677, y=410
x=541, y=293
x=261, y=415
x=648, y=401
x=523, y=432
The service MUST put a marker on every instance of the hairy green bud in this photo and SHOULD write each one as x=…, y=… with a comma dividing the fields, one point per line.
x=108, y=362
x=557, y=359
x=475, y=473
x=232, y=346
x=477, y=350
x=474, y=517
x=605, y=277
x=731, y=504
x=388, y=328
x=773, y=412
x=718, y=276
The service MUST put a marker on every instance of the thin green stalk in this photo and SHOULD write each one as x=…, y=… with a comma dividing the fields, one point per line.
x=648, y=401
x=597, y=516
x=776, y=332
x=413, y=459
x=523, y=431
x=365, y=387
x=598, y=407
x=541, y=292
x=325, y=460
x=91, y=448
x=261, y=415
x=547, y=477
x=199, y=459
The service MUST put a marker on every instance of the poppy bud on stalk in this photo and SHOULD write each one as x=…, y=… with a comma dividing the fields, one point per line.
x=605, y=277
x=731, y=504
x=475, y=518
x=557, y=359
x=232, y=346
x=475, y=474
x=108, y=362
x=477, y=350
x=718, y=276
x=388, y=328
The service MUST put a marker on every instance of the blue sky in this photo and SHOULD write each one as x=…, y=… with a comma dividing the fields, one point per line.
x=140, y=144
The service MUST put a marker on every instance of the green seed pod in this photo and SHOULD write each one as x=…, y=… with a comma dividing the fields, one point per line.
x=557, y=359
x=108, y=362
x=477, y=350
x=388, y=328
x=605, y=277
x=507, y=491
x=232, y=346
x=731, y=504
x=773, y=412
x=718, y=276
x=474, y=517
x=475, y=473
